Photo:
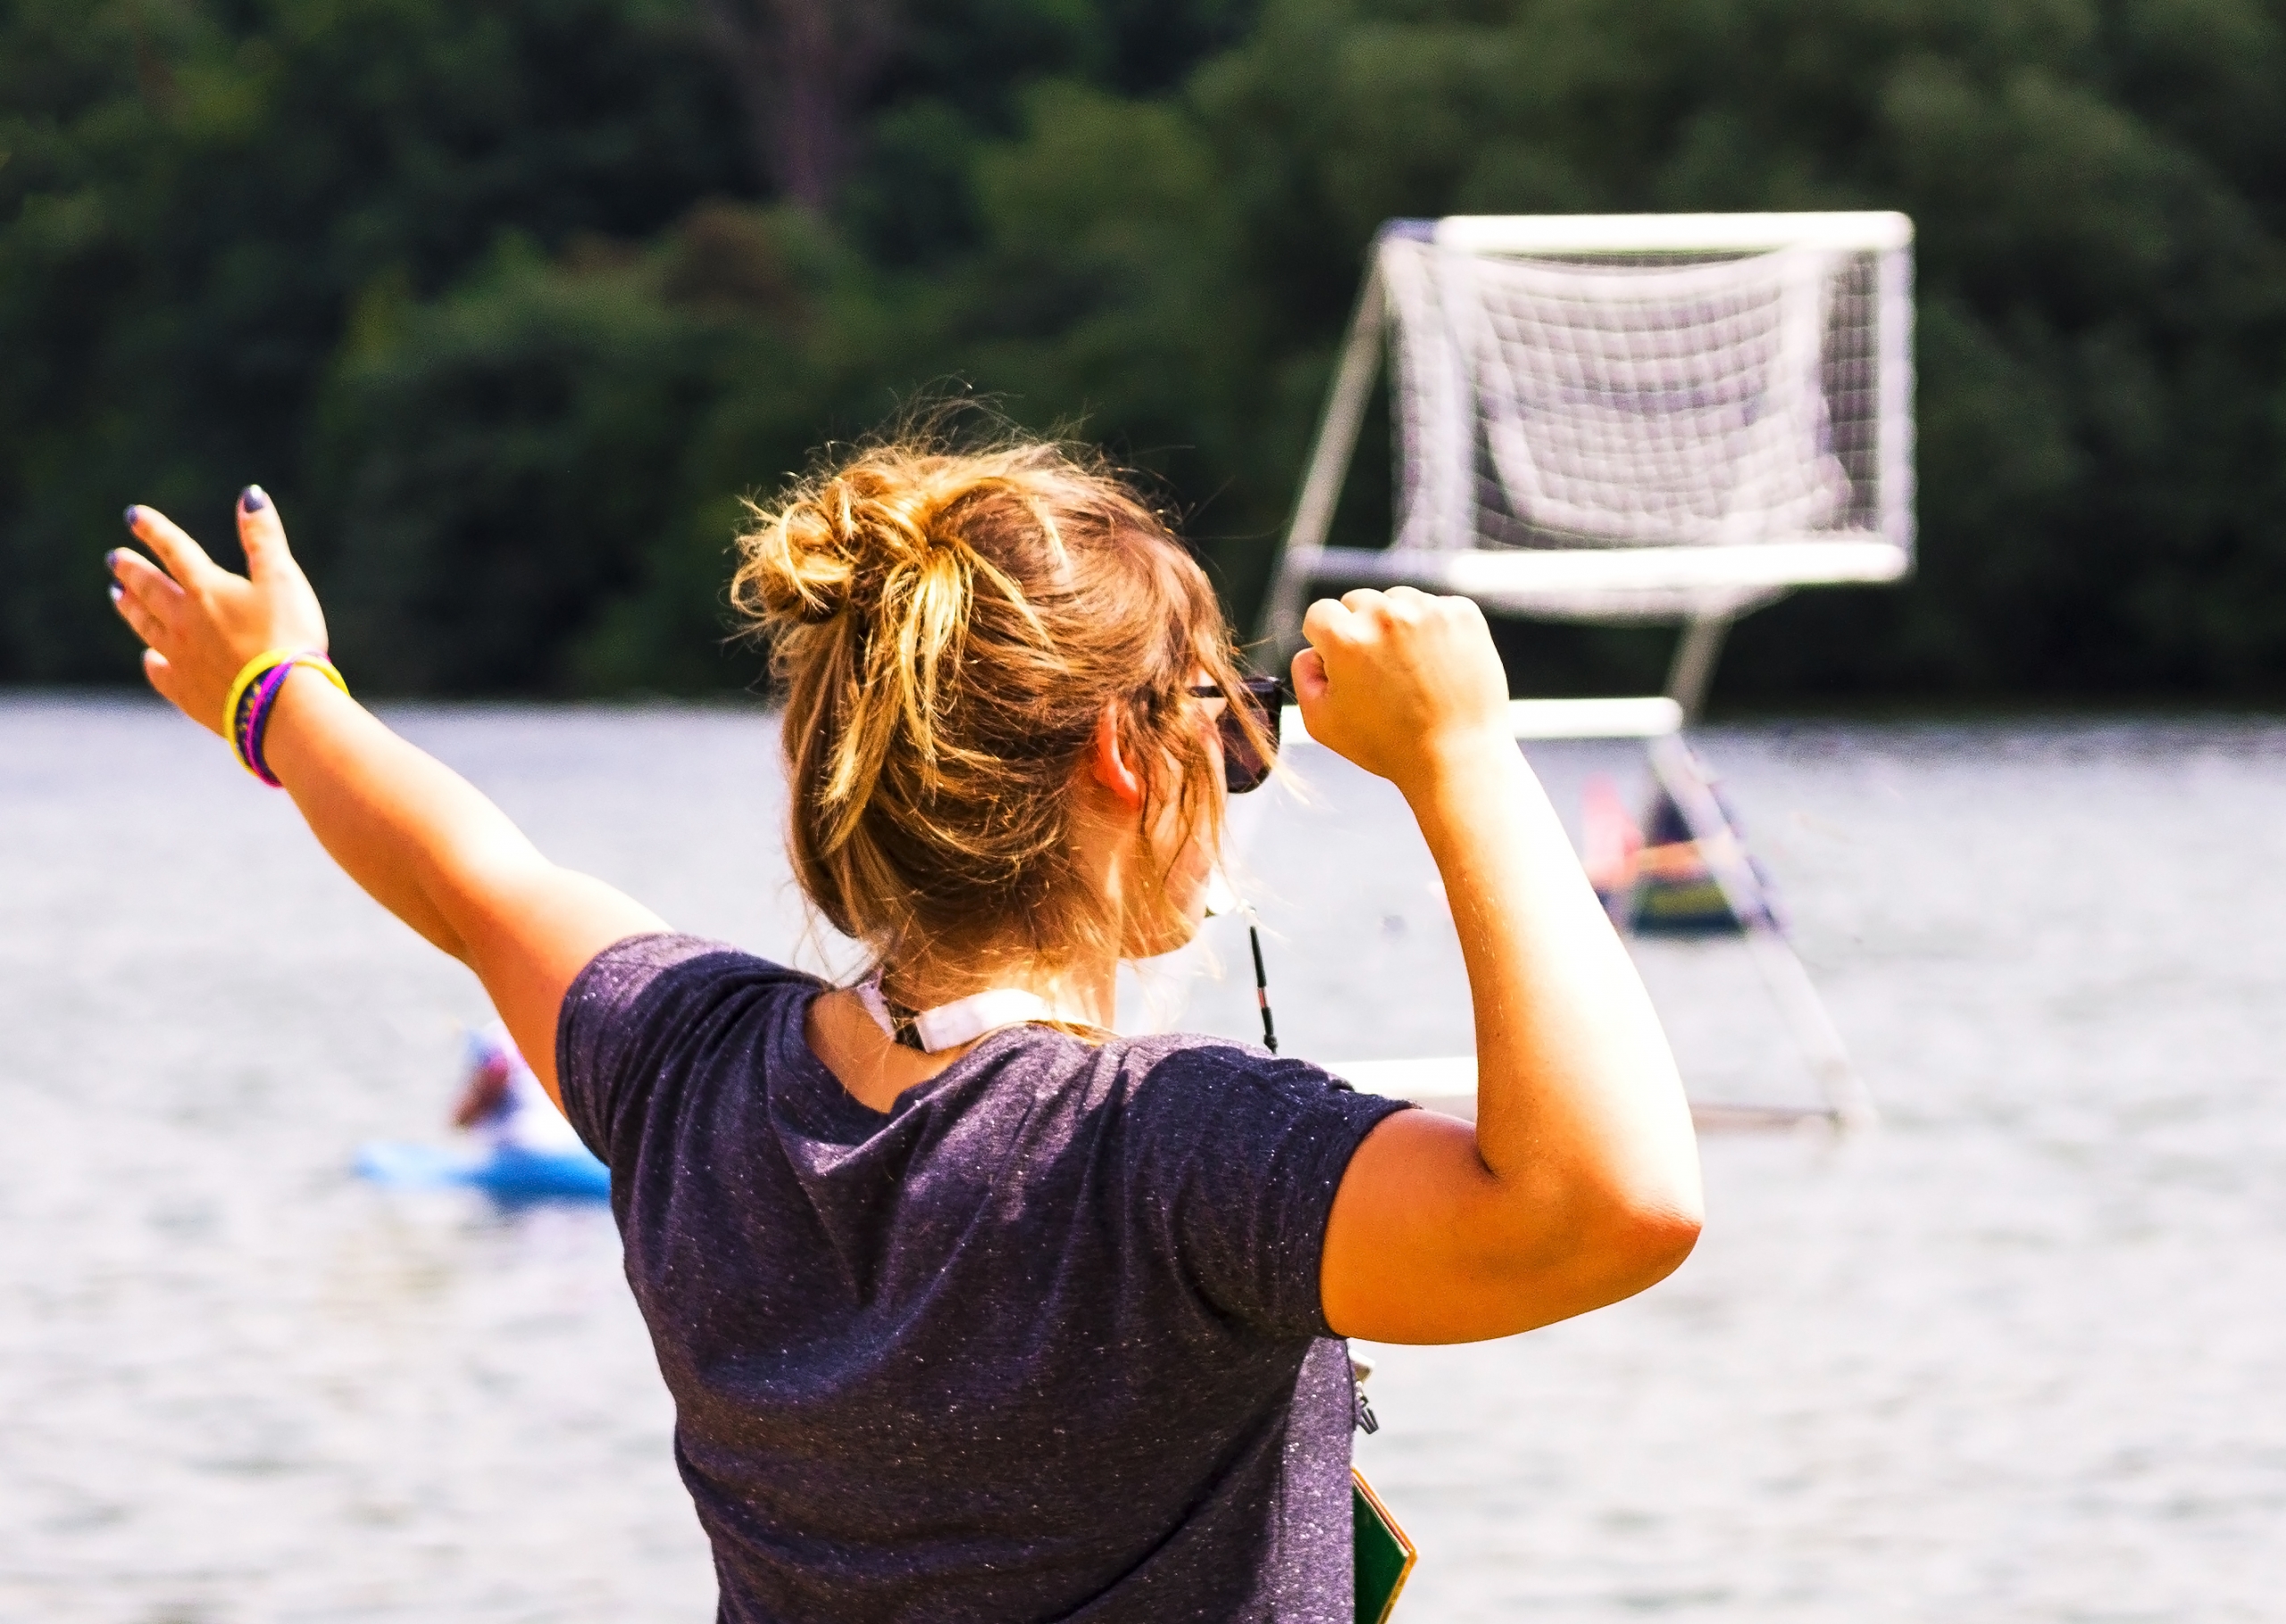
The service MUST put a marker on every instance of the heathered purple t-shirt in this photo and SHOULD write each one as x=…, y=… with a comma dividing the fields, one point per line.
x=1043, y=1342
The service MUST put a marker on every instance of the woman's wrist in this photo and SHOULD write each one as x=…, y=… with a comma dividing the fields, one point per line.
x=1462, y=760
x=302, y=695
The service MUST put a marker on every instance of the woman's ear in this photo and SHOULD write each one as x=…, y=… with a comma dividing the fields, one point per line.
x=1106, y=764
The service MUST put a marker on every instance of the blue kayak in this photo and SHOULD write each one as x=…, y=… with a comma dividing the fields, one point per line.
x=506, y=1171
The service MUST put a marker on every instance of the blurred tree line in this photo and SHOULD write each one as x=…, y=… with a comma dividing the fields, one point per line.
x=508, y=302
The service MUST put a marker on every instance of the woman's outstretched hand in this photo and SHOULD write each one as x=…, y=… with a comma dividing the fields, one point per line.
x=420, y=839
x=199, y=622
x=1401, y=682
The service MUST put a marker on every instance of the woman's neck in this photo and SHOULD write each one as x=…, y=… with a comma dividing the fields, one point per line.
x=1082, y=991
x=875, y=1068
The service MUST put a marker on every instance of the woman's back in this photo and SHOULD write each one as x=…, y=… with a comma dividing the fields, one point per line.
x=966, y=1320
x=1044, y=1341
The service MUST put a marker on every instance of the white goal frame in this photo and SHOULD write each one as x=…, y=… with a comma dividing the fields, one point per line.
x=1709, y=582
x=1704, y=585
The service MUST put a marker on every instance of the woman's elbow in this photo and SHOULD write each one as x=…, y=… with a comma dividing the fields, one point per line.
x=1639, y=1238
x=1653, y=1237
x=1654, y=1210
x=1608, y=1254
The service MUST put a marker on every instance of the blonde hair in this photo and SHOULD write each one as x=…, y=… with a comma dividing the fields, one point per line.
x=950, y=626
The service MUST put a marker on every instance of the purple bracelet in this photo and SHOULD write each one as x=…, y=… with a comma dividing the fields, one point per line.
x=245, y=713
x=262, y=700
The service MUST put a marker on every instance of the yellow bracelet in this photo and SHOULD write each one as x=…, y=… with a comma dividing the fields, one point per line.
x=248, y=674
x=244, y=732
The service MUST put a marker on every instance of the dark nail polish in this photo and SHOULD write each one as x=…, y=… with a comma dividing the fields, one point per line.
x=130, y=518
x=117, y=592
x=253, y=499
x=111, y=561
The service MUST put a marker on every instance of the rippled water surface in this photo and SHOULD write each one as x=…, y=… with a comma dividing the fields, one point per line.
x=2021, y=1354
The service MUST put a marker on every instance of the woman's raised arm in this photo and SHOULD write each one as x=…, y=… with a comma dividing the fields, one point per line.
x=1578, y=1184
x=420, y=839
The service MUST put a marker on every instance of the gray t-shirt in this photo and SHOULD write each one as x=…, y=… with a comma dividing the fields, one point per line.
x=1043, y=1342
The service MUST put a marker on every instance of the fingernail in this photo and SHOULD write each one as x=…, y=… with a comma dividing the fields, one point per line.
x=253, y=499
x=117, y=592
x=111, y=561
x=131, y=512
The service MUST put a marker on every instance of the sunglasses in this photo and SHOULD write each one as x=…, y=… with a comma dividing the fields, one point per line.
x=1244, y=766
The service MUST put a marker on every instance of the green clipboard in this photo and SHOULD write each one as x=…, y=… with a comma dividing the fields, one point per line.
x=1384, y=1555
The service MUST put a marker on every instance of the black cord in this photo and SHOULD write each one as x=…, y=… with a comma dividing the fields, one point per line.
x=1262, y=988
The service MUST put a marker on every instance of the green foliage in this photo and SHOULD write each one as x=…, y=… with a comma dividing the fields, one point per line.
x=195, y=198
x=2100, y=267
x=535, y=473
x=491, y=458
x=462, y=285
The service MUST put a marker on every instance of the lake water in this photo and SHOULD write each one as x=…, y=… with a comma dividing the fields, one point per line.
x=2020, y=1355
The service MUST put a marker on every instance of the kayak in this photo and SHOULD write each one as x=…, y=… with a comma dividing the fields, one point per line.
x=507, y=1172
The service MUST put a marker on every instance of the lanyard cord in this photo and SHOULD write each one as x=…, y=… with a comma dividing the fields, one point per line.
x=1261, y=986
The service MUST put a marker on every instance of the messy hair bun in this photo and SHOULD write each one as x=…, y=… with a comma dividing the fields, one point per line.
x=853, y=535
x=948, y=626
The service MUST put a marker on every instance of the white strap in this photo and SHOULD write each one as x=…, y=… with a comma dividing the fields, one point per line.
x=967, y=1020
x=962, y=1020
x=869, y=993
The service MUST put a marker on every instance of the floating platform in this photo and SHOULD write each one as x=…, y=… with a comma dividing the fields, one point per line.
x=506, y=1173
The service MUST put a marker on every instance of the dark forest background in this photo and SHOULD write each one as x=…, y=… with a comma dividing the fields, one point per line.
x=506, y=302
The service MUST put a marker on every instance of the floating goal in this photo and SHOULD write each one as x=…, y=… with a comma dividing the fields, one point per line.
x=1625, y=418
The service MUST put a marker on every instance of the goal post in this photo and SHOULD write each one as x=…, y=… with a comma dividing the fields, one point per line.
x=1630, y=418
x=1624, y=418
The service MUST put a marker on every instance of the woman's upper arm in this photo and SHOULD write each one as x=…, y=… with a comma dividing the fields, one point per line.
x=529, y=934
x=1424, y=1243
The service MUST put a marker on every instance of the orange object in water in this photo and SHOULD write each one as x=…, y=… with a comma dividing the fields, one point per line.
x=1610, y=841
x=1657, y=883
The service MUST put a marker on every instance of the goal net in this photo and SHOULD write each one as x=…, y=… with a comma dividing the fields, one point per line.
x=1630, y=417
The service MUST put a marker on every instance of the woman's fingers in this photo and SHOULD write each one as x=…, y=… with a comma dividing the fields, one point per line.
x=1326, y=622
x=1395, y=677
x=146, y=581
x=161, y=676
x=139, y=618
x=262, y=535
x=1309, y=676
x=184, y=558
x=206, y=622
x=143, y=595
x=289, y=607
x=202, y=622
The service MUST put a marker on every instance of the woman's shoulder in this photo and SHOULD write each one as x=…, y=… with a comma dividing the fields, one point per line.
x=1189, y=1073
x=640, y=990
x=1228, y=1159
x=649, y=1014
x=1200, y=1058
x=1219, y=1097
x=625, y=972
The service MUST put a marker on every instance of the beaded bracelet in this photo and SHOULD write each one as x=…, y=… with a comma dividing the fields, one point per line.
x=254, y=694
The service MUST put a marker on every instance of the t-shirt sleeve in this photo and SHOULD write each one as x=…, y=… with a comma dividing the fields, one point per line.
x=1243, y=1153
x=620, y=1021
